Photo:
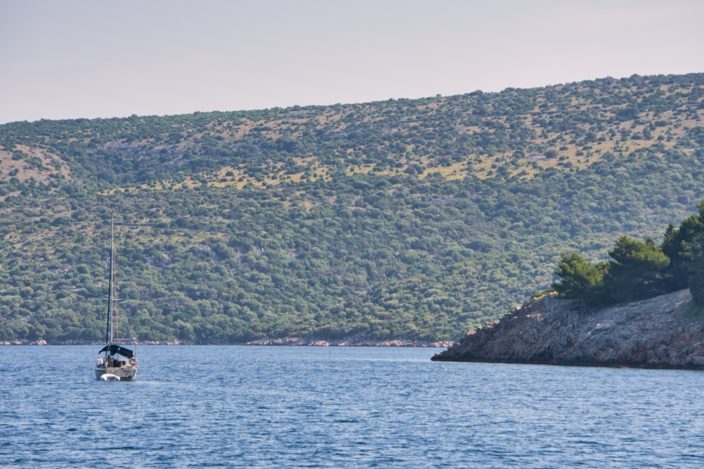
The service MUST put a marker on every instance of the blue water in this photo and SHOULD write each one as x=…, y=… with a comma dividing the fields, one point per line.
x=340, y=407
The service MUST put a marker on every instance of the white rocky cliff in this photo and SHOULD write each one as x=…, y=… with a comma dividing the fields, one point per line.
x=662, y=332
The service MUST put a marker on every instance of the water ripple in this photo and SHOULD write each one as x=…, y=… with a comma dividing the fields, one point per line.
x=351, y=407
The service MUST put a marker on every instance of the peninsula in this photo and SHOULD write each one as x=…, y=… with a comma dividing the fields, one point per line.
x=643, y=307
x=660, y=332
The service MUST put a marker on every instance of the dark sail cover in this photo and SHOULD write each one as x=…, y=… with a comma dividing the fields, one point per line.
x=114, y=348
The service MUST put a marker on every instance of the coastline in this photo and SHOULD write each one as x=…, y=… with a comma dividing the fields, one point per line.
x=277, y=342
x=657, y=333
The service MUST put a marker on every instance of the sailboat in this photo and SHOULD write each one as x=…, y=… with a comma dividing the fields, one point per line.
x=115, y=362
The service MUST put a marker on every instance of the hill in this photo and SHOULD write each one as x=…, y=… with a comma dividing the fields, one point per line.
x=409, y=219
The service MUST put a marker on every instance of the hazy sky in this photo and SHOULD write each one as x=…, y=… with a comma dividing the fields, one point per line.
x=66, y=59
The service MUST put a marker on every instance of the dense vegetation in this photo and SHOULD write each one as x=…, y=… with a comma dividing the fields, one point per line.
x=399, y=219
x=639, y=269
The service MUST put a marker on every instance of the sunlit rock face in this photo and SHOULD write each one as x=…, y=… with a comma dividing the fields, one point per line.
x=662, y=332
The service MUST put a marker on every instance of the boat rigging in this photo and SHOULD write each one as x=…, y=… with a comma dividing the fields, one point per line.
x=115, y=362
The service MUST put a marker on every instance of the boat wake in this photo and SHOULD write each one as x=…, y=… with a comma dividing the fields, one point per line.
x=109, y=377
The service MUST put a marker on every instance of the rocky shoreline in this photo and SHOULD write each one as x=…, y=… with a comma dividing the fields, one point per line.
x=662, y=332
x=295, y=341
x=76, y=342
x=350, y=342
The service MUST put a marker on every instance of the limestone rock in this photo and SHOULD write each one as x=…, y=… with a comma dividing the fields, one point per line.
x=660, y=332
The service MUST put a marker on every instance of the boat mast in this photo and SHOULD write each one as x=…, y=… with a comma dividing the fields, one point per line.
x=108, y=326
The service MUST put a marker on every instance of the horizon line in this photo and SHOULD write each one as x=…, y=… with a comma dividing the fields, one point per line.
x=344, y=103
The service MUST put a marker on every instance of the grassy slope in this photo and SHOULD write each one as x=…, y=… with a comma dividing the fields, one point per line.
x=404, y=218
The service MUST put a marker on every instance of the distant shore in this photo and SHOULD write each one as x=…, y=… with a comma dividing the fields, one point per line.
x=284, y=341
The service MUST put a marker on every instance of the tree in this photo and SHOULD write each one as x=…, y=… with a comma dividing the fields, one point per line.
x=685, y=247
x=578, y=277
x=678, y=246
x=635, y=271
x=692, y=253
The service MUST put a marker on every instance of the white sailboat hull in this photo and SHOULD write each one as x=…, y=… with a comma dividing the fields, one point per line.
x=125, y=373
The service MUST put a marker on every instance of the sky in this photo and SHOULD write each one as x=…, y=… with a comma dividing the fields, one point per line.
x=90, y=58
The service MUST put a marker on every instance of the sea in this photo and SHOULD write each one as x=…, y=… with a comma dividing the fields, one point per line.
x=248, y=406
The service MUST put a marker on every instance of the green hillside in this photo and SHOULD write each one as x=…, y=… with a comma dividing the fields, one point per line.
x=398, y=219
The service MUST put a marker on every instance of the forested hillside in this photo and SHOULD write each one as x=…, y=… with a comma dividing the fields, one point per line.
x=398, y=219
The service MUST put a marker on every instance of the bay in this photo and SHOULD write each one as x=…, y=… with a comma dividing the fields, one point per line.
x=238, y=406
